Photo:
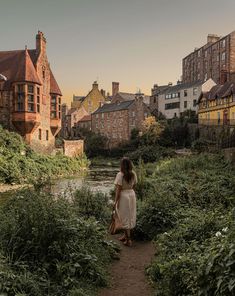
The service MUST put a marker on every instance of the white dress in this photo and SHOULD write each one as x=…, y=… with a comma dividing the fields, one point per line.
x=127, y=203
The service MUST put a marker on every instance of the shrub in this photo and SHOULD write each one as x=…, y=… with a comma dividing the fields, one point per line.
x=49, y=248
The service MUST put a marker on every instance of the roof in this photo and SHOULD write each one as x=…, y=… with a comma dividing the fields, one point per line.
x=71, y=111
x=18, y=66
x=54, y=87
x=114, y=107
x=78, y=98
x=178, y=87
x=219, y=91
x=85, y=118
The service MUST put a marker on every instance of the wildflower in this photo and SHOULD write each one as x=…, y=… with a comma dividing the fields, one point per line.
x=218, y=233
x=225, y=229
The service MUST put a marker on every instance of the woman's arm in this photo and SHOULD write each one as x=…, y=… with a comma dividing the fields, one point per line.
x=117, y=194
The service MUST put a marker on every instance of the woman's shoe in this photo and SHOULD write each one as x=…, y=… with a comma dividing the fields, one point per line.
x=128, y=242
x=122, y=238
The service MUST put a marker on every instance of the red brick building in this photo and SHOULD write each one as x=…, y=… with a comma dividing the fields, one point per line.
x=215, y=59
x=117, y=120
x=30, y=98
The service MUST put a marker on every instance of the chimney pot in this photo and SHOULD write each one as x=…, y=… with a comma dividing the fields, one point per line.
x=115, y=88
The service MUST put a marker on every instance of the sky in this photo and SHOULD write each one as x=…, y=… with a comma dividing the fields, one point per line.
x=137, y=43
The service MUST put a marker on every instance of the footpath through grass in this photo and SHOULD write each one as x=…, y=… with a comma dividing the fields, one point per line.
x=186, y=205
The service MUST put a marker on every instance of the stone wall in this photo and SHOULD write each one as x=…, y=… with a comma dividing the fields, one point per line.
x=73, y=148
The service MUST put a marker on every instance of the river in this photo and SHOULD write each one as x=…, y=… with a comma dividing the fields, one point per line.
x=97, y=179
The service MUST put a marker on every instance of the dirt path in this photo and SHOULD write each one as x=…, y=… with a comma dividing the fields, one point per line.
x=128, y=274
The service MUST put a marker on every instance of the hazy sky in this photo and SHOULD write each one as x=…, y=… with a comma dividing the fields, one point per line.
x=137, y=43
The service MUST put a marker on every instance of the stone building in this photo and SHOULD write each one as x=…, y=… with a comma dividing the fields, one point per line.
x=84, y=123
x=30, y=98
x=118, y=96
x=175, y=99
x=215, y=59
x=117, y=120
x=217, y=106
x=92, y=101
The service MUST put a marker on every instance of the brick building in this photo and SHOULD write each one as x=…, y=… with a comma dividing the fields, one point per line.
x=215, y=59
x=30, y=98
x=117, y=120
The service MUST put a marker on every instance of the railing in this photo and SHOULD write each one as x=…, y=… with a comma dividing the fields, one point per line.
x=217, y=122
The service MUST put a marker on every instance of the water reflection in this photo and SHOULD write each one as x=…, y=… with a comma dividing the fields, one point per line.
x=97, y=179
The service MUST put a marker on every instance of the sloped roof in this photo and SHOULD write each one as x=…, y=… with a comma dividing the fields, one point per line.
x=114, y=107
x=178, y=87
x=54, y=87
x=85, y=118
x=17, y=66
x=219, y=91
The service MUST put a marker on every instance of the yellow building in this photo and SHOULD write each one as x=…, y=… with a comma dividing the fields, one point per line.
x=91, y=102
x=217, y=106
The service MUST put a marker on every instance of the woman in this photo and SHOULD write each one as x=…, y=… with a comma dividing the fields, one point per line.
x=125, y=200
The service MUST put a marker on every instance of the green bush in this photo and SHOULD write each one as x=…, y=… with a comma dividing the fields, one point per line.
x=185, y=205
x=48, y=248
x=19, y=164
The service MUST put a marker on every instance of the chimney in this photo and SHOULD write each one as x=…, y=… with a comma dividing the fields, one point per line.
x=223, y=76
x=115, y=88
x=40, y=43
x=95, y=85
x=170, y=84
x=102, y=92
x=212, y=38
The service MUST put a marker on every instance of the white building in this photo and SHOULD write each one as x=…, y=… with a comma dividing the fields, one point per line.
x=176, y=99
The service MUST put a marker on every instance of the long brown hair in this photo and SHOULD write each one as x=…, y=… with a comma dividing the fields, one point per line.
x=126, y=169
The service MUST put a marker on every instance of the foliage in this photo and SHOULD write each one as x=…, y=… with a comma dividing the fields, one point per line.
x=48, y=248
x=19, y=164
x=187, y=206
x=202, y=145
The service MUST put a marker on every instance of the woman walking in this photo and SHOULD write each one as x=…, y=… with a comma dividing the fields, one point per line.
x=125, y=199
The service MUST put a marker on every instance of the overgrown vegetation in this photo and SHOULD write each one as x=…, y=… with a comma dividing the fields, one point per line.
x=19, y=164
x=53, y=247
x=187, y=207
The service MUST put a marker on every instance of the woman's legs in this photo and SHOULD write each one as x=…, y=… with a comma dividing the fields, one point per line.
x=128, y=241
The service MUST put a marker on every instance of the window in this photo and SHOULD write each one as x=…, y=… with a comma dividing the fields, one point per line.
x=30, y=97
x=194, y=103
x=218, y=117
x=154, y=100
x=133, y=113
x=172, y=105
x=102, y=115
x=199, y=53
x=205, y=53
x=223, y=56
x=97, y=115
x=39, y=134
x=47, y=135
x=53, y=106
x=38, y=99
x=185, y=104
x=20, y=96
x=43, y=74
x=145, y=115
x=185, y=93
x=195, y=90
x=217, y=58
x=223, y=42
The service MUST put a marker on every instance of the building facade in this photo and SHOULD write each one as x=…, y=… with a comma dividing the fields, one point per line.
x=217, y=106
x=176, y=99
x=92, y=101
x=153, y=103
x=30, y=98
x=117, y=120
x=215, y=59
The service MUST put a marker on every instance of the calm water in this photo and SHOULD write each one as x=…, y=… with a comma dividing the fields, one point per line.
x=97, y=179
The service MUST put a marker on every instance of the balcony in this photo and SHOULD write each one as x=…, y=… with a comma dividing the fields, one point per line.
x=25, y=122
x=55, y=125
